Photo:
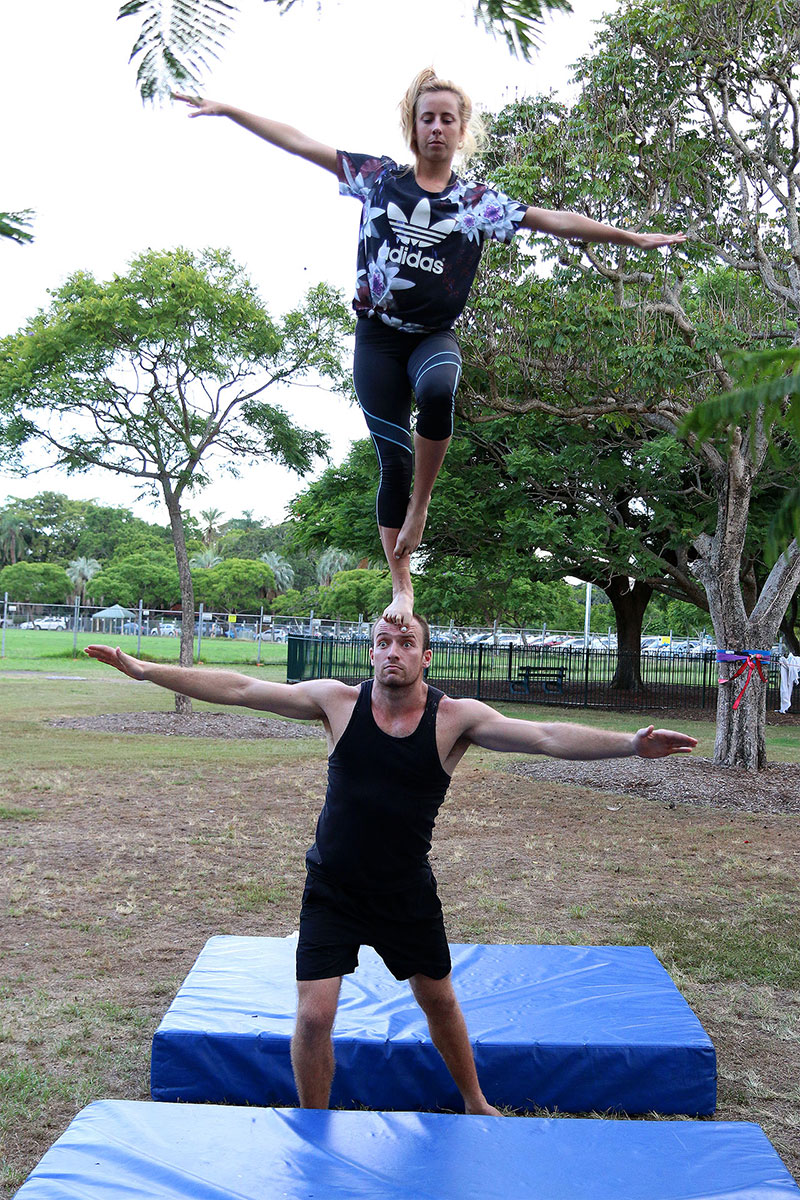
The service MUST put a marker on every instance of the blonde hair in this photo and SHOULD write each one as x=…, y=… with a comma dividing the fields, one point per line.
x=473, y=134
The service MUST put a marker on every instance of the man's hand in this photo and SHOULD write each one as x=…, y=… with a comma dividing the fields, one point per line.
x=658, y=743
x=115, y=658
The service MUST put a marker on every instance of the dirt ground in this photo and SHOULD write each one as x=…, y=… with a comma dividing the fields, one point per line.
x=118, y=880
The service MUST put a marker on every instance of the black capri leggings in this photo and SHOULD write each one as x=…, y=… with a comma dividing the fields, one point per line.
x=389, y=366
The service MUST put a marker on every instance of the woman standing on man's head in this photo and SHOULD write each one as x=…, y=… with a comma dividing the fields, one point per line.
x=422, y=231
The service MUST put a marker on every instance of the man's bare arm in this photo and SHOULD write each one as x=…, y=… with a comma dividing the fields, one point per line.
x=303, y=701
x=489, y=729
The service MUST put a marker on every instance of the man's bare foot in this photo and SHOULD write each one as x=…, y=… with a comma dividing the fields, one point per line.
x=410, y=536
x=401, y=610
x=482, y=1110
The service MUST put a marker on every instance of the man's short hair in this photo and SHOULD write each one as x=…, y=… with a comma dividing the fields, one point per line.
x=423, y=624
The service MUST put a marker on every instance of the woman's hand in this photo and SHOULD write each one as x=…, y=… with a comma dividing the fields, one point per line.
x=652, y=241
x=202, y=108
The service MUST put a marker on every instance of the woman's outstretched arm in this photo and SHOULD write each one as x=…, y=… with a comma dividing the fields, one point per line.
x=575, y=225
x=285, y=137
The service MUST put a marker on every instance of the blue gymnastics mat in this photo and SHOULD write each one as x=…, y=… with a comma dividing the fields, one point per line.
x=573, y=1028
x=118, y=1150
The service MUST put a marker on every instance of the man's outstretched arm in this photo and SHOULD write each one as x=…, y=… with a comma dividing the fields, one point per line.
x=492, y=731
x=303, y=701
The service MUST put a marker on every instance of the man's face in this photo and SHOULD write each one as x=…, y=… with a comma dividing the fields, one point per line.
x=397, y=654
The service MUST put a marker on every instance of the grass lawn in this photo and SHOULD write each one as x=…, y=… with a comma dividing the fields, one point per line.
x=48, y=651
x=122, y=854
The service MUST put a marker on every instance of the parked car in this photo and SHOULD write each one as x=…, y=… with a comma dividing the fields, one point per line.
x=272, y=635
x=130, y=627
x=27, y=625
x=164, y=629
x=50, y=623
x=503, y=639
x=578, y=643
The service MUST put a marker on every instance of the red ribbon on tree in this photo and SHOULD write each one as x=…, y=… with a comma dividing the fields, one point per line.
x=750, y=662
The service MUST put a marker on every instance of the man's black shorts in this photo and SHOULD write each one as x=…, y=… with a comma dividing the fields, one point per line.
x=406, y=928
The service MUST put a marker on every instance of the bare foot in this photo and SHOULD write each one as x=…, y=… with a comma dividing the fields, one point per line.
x=483, y=1110
x=401, y=610
x=410, y=536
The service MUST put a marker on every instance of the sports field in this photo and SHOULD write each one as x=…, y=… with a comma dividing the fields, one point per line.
x=123, y=852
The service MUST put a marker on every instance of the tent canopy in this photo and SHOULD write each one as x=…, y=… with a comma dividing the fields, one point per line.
x=114, y=613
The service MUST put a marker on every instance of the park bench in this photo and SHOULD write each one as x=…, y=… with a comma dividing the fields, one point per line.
x=550, y=677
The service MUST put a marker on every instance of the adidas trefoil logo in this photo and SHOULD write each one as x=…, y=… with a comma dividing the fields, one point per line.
x=418, y=231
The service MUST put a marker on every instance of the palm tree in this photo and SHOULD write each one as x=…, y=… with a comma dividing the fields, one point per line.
x=331, y=561
x=281, y=569
x=15, y=532
x=80, y=571
x=204, y=559
x=178, y=38
x=212, y=527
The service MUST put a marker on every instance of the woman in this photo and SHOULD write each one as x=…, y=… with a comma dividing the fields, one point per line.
x=422, y=232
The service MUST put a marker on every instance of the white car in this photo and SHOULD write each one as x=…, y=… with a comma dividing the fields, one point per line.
x=50, y=623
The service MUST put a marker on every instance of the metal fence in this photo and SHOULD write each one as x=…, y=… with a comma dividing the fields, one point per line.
x=534, y=674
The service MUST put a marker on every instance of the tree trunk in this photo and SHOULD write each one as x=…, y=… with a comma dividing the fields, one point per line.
x=740, y=738
x=186, y=655
x=629, y=601
x=789, y=627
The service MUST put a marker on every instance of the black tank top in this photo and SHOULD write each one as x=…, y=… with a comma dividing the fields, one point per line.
x=375, y=828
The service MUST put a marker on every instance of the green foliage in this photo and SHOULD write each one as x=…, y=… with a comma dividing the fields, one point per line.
x=353, y=593
x=234, y=585
x=15, y=226
x=147, y=373
x=244, y=543
x=57, y=529
x=767, y=398
x=294, y=603
x=152, y=578
x=178, y=41
x=36, y=583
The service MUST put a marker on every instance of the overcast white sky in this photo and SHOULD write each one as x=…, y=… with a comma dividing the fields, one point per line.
x=108, y=177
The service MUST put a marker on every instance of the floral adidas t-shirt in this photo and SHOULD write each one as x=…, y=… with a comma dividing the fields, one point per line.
x=418, y=251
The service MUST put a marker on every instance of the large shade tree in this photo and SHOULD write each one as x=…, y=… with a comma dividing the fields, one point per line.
x=159, y=376
x=689, y=117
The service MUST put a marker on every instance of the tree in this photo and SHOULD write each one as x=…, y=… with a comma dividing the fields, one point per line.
x=235, y=585
x=352, y=594
x=60, y=529
x=212, y=525
x=204, y=559
x=151, y=374
x=15, y=226
x=333, y=560
x=281, y=569
x=80, y=571
x=151, y=578
x=688, y=115
x=35, y=583
x=177, y=40
x=15, y=535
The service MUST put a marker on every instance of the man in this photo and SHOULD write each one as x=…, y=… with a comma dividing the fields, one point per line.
x=393, y=744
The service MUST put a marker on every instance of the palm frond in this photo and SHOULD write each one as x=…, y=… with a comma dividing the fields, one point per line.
x=518, y=22
x=177, y=41
x=12, y=226
x=769, y=382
